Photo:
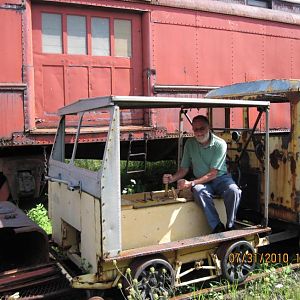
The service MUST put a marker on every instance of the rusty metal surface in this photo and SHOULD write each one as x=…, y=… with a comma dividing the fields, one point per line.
x=18, y=278
x=174, y=90
x=133, y=102
x=280, y=212
x=38, y=282
x=277, y=91
x=89, y=130
x=190, y=243
x=274, y=90
x=45, y=136
x=89, y=135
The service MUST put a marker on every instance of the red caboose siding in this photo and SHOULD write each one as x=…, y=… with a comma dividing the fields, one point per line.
x=11, y=113
x=11, y=98
x=176, y=47
x=187, y=47
x=208, y=49
x=11, y=46
x=191, y=45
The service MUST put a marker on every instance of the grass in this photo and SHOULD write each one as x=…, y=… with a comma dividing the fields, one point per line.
x=277, y=285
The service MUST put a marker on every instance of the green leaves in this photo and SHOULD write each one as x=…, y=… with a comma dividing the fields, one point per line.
x=39, y=215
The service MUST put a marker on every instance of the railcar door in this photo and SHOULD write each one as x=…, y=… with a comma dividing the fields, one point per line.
x=83, y=53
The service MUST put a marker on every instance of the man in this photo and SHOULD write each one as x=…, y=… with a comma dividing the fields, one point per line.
x=206, y=154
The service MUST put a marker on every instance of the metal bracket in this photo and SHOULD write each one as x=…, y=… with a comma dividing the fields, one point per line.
x=70, y=186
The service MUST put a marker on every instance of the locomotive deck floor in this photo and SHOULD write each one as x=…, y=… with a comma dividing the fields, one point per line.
x=205, y=240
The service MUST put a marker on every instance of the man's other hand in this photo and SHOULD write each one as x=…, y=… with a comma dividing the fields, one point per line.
x=183, y=184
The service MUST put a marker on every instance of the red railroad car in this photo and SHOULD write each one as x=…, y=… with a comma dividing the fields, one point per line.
x=54, y=52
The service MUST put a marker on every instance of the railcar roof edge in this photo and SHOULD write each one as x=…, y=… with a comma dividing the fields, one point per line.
x=154, y=102
x=270, y=89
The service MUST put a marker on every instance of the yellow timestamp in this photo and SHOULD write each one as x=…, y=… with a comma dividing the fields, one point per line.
x=260, y=258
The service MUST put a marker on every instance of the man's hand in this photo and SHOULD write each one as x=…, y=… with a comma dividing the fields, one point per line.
x=183, y=184
x=167, y=178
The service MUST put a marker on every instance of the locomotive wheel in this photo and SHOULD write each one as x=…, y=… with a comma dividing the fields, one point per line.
x=154, y=275
x=237, y=260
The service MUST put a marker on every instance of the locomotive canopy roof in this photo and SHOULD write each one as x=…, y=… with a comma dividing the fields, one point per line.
x=154, y=102
x=276, y=90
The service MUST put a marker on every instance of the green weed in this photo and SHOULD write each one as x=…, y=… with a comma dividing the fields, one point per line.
x=89, y=164
x=39, y=215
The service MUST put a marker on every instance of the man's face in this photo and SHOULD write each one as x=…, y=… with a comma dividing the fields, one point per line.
x=201, y=131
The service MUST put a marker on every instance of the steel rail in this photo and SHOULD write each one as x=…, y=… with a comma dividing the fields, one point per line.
x=254, y=277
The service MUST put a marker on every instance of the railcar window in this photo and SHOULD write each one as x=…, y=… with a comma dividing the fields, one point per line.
x=122, y=32
x=100, y=36
x=87, y=35
x=259, y=3
x=76, y=28
x=51, y=33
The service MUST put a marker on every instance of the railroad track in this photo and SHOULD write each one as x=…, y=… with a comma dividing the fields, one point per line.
x=254, y=277
x=53, y=285
x=48, y=281
x=39, y=282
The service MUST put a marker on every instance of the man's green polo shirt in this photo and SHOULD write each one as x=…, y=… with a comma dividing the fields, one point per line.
x=204, y=158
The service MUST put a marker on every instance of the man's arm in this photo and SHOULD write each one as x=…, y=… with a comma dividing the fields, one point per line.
x=185, y=184
x=212, y=174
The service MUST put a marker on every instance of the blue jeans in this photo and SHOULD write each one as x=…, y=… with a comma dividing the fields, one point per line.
x=225, y=187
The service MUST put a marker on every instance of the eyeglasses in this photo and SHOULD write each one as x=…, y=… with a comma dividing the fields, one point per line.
x=197, y=129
